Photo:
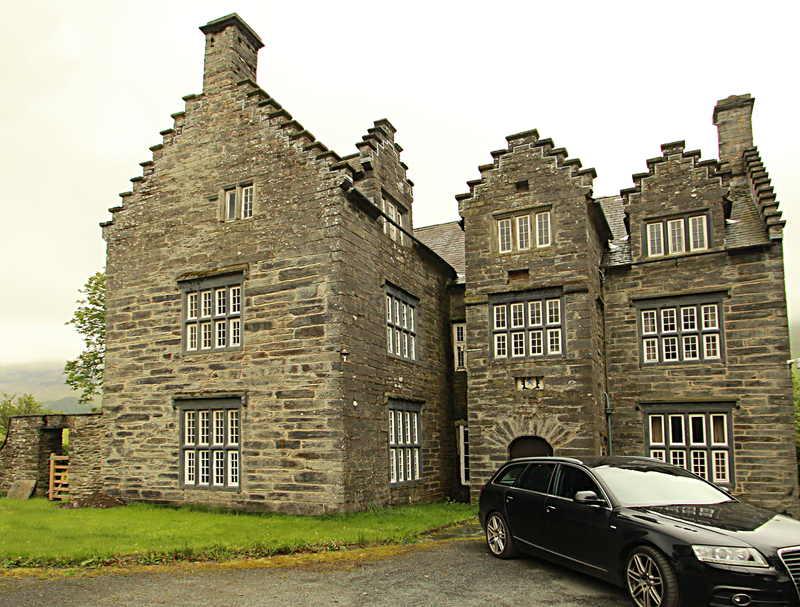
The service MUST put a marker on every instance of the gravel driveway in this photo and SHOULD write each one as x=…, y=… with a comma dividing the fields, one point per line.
x=455, y=571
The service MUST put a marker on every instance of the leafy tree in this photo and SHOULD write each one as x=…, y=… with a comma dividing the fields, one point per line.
x=11, y=404
x=85, y=373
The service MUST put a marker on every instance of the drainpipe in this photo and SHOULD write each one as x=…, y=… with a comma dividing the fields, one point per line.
x=609, y=410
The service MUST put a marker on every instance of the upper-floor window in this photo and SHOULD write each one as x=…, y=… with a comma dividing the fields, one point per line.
x=527, y=325
x=401, y=323
x=399, y=219
x=676, y=236
x=524, y=232
x=238, y=202
x=681, y=330
x=460, y=344
x=212, y=313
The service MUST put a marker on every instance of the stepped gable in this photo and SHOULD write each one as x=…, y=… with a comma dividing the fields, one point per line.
x=763, y=194
x=256, y=104
x=526, y=142
x=447, y=241
x=377, y=143
x=705, y=169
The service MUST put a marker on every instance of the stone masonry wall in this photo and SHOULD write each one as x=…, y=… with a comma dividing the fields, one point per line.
x=567, y=411
x=752, y=376
x=313, y=428
x=32, y=438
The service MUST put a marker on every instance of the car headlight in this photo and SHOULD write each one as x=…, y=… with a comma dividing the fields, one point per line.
x=730, y=555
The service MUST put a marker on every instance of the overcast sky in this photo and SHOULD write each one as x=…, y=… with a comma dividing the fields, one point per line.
x=87, y=86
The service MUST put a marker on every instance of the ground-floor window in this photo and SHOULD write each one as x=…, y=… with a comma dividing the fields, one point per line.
x=697, y=438
x=463, y=453
x=210, y=441
x=405, y=442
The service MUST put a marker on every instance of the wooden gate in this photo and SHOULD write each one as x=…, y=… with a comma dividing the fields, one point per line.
x=59, y=477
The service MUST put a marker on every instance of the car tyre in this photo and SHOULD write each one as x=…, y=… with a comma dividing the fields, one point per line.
x=650, y=579
x=498, y=537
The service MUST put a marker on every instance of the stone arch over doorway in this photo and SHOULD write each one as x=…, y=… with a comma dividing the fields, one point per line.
x=505, y=432
x=529, y=446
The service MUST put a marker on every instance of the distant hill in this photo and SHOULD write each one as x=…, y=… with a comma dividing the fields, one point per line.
x=45, y=381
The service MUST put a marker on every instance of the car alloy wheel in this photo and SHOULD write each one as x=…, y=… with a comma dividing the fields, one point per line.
x=650, y=579
x=498, y=537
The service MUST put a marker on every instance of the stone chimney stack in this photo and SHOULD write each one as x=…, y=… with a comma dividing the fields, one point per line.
x=231, y=52
x=733, y=117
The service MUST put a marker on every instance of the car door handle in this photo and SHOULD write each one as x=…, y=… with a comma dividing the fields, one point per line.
x=550, y=508
x=509, y=498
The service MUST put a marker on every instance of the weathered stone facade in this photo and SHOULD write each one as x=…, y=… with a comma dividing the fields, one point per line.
x=32, y=438
x=676, y=333
x=315, y=259
x=280, y=337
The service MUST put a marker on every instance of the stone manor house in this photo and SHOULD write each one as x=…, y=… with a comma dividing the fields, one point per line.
x=281, y=337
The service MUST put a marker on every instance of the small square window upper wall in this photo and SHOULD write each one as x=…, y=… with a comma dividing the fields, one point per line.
x=238, y=202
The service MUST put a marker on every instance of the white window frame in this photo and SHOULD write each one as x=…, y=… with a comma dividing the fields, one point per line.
x=463, y=453
x=460, y=345
x=238, y=202
x=248, y=195
x=523, y=232
x=676, y=236
x=699, y=448
x=404, y=442
x=655, y=239
x=678, y=330
x=527, y=325
x=401, y=323
x=543, y=230
x=698, y=233
x=504, y=236
x=217, y=324
x=210, y=443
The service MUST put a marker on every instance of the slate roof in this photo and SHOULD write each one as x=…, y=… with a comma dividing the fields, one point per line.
x=745, y=227
x=447, y=241
x=619, y=249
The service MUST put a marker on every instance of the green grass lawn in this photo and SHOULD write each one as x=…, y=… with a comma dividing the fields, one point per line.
x=39, y=533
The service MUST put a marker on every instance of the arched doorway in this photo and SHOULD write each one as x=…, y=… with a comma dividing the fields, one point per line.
x=529, y=446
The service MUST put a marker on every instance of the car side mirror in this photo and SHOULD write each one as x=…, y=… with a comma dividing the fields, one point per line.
x=588, y=497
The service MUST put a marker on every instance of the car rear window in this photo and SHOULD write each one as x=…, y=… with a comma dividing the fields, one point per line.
x=508, y=476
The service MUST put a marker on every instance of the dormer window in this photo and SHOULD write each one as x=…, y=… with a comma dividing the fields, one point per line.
x=523, y=232
x=676, y=236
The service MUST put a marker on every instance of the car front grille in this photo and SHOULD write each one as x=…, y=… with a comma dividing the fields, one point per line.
x=791, y=560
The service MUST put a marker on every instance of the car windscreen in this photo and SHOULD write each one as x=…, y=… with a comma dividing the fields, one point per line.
x=642, y=485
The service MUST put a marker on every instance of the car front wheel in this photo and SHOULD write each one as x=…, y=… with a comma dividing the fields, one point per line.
x=499, y=538
x=650, y=579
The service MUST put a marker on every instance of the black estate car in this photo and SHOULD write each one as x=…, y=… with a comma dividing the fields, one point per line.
x=666, y=535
